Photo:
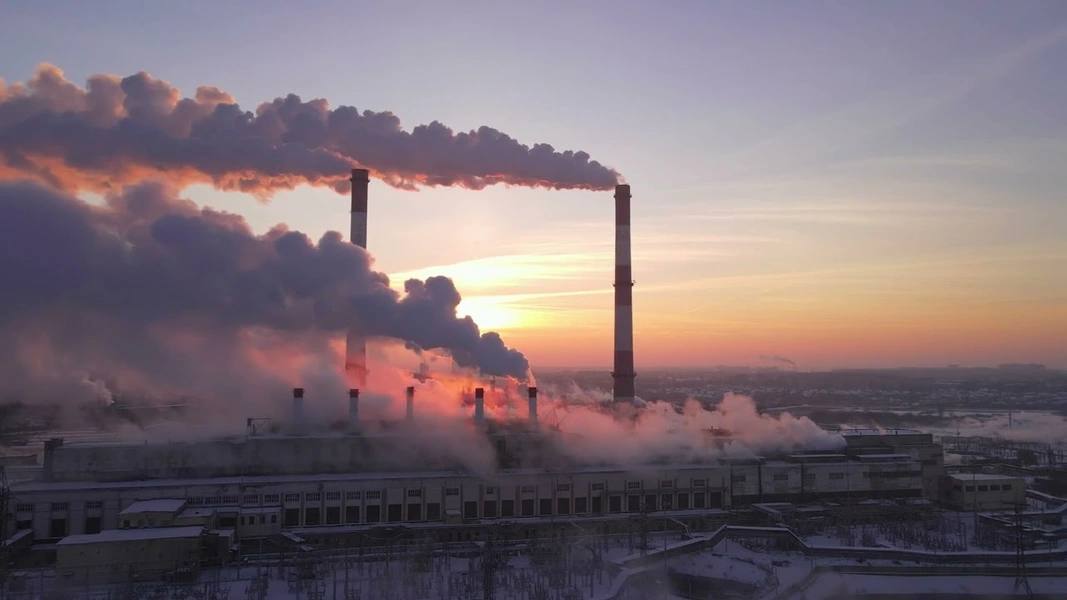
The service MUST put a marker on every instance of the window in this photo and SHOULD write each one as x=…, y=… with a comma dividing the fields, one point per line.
x=546, y=507
x=251, y=499
x=333, y=515
x=983, y=488
x=312, y=516
x=563, y=487
x=57, y=528
x=528, y=489
x=313, y=497
x=92, y=525
x=213, y=500
x=528, y=507
x=451, y=491
x=270, y=499
x=598, y=487
x=507, y=508
x=230, y=500
x=1006, y=487
x=125, y=523
x=700, y=483
x=470, y=510
x=60, y=505
x=414, y=493
x=489, y=509
x=994, y=488
x=650, y=502
x=291, y=517
x=333, y=495
x=375, y=495
x=352, y=495
x=490, y=489
x=633, y=485
x=292, y=497
x=970, y=488
x=396, y=513
x=581, y=505
x=563, y=506
x=614, y=504
x=414, y=512
x=666, y=483
x=598, y=504
x=94, y=504
x=633, y=503
x=738, y=479
x=781, y=476
x=683, y=501
x=374, y=513
x=351, y=514
x=23, y=524
x=666, y=502
x=836, y=476
x=433, y=511
x=809, y=476
x=196, y=501
x=24, y=507
x=698, y=500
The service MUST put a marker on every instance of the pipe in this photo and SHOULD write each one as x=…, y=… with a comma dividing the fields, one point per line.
x=298, y=405
x=355, y=344
x=353, y=410
x=623, y=374
x=479, y=406
x=532, y=403
x=411, y=403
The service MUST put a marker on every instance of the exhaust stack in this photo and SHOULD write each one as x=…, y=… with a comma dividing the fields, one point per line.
x=355, y=344
x=479, y=406
x=298, y=406
x=353, y=410
x=623, y=375
x=532, y=403
x=411, y=403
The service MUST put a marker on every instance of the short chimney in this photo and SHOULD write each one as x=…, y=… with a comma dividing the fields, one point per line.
x=479, y=406
x=298, y=405
x=410, y=403
x=532, y=393
x=353, y=409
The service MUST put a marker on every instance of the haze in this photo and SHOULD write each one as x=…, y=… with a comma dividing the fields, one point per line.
x=845, y=184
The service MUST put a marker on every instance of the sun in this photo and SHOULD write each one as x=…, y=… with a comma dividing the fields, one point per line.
x=492, y=313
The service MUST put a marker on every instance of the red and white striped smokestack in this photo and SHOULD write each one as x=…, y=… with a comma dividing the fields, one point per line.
x=355, y=343
x=623, y=374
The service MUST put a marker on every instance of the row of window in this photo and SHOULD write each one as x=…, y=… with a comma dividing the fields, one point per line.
x=1006, y=487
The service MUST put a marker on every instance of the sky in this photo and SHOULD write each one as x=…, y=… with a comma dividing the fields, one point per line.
x=848, y=184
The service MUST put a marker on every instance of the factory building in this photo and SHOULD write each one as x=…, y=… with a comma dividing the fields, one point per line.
x=983, y=492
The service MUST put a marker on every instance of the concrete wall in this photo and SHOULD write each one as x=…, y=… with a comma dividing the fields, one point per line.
x=113, y=561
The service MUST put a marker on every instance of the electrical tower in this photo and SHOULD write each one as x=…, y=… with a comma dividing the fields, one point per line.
x=5, y=515
x=1021, y=580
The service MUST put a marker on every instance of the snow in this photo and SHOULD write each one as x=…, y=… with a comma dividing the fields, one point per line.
x=167, y=505
x=132, y=535
x=843, y=584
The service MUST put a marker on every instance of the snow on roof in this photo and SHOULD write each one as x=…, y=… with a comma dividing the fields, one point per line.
x=260, y=510
x=168, y=505
x=132, y=535
x=196, y=512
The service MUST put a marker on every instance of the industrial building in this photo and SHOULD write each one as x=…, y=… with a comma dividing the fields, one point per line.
x=985, y=492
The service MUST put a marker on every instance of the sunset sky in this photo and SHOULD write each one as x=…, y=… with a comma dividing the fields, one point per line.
x=842, y=183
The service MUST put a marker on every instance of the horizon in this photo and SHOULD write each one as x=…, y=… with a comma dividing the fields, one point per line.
x=846, y=186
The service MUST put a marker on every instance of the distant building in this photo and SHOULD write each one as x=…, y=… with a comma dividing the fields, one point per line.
x=982, y=492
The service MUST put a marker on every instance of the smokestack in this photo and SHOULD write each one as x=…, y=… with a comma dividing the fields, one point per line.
x=411, y=403
x=298, y=405
x=356, y=344
x=532, y=403
x=623, y=374
x=479, y=406
x=353, y=410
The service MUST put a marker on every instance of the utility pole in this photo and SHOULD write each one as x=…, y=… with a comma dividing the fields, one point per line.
x=1021, y=580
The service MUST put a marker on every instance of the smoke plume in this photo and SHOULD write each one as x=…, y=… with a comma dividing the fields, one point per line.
x=778, y=358
x=157, y=293
x=117, y=131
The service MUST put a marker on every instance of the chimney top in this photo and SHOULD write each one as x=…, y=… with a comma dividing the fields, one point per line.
x=360, y=175
x=479, y=392
x=532, y=392
x=411, y=389
x=353, y=393
x=298, y=392
x=623, y=190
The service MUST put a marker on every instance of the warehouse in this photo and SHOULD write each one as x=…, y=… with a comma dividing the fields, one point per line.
x=985, y=492
x=115, y=554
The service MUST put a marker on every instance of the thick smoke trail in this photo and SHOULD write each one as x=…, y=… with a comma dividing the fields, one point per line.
x=778, y=358
x=118, y=131
x=160, y=294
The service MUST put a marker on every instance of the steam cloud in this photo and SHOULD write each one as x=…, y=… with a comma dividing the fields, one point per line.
x=165, y=295
x=118, y=131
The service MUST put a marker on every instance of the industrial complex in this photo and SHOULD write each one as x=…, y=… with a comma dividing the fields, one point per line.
x=106, y=512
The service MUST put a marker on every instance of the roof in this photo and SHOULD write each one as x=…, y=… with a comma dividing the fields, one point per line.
x=197, y=512
x=965, y=477
x=167, y=505
x=260, y=510
x=132, y=535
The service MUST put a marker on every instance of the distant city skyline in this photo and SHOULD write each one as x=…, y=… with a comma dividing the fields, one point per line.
x=842, y=184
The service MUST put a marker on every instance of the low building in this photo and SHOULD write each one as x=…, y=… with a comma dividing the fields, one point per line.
x=983, y=492
x=159, y=512
x=119, y=554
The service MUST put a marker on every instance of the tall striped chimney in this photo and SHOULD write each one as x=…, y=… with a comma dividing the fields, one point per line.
x=353, y=410
x=532, y=405
x=410, y=402
x=479, y=406
x=623, y=375
x=355, y=343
